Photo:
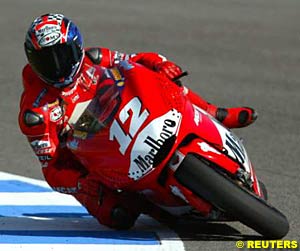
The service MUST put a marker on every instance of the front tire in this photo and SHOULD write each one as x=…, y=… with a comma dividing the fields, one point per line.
x=225, y=194
x=263, y=189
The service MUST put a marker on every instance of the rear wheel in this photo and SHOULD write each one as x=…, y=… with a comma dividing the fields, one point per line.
x=225, y=194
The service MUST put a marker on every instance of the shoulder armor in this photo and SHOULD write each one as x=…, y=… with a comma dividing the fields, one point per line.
x=32, y=118
x=94, y=54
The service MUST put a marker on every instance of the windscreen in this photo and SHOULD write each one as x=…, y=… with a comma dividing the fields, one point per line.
x=100, y=111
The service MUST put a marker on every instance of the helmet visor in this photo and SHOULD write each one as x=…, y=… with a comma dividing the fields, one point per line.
x=55, y=63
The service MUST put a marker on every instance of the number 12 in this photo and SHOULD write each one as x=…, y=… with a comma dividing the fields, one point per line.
x=137, y=120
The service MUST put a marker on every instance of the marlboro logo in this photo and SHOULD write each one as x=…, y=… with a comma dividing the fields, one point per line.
x=150, y=142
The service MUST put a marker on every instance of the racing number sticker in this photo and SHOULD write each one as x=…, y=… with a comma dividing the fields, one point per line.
x=132, y=111
x=235, y=147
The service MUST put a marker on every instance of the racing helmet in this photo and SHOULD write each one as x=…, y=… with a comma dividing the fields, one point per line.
x=54, y=49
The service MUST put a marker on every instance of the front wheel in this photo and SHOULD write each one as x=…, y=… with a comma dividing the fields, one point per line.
x=263, y=189
x=225, y=194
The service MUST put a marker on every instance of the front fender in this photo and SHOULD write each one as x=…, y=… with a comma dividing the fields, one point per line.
x=201, y=148
x=205, y=150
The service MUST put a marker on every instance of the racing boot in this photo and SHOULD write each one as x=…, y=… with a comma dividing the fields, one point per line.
x=234, y=117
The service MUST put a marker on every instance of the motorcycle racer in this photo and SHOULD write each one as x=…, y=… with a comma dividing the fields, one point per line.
x=61, y=74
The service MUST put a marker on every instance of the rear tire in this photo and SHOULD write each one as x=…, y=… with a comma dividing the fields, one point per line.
x=225, y=194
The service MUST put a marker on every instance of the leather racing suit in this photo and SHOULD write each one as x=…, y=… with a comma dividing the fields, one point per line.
x=44, y=117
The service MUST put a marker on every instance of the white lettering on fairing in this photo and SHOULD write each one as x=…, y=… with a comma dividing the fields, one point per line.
x=150, y=141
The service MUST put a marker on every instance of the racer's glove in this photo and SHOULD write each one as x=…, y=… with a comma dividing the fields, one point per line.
x=169, y=69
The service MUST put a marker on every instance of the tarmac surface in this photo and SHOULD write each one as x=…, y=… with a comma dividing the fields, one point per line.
x=238, y=53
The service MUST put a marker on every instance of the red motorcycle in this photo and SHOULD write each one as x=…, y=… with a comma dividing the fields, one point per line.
x=146, y=136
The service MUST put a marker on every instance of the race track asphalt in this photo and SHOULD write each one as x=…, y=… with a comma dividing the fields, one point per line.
x=238, y=53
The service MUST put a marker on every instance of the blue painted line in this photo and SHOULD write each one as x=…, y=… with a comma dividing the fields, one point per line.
x=43, y=211
x=10, y=186
x=59, y=236
x=78, y=237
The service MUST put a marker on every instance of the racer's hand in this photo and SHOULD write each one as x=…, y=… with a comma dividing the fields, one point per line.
x=169, y=69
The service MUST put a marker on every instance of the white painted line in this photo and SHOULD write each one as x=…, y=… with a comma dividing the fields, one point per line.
x=38, y=199
x=34, y=215
x=171, y=246
x=8, y=176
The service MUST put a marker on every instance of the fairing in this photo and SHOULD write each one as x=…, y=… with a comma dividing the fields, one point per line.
x=137, y=127
x=127, y=134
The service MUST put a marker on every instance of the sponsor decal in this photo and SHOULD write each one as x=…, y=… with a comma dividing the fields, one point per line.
x=73, y=144
x=43, y=151
x=234, y=146
x=68, y=190
x=50, y=39
x=75, y=98
x=207, y=148
x=118, y=57
x=43, y=158
x=48, y=35
x=71, y=91
x=150, y=141
x=116, y=74
x=40, y=144
x=117, y=77
x=126, y=65
x=197, y=115
x=56, y=114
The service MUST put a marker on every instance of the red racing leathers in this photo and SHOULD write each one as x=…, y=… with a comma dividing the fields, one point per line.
x=45, y=114
x=44, y=118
